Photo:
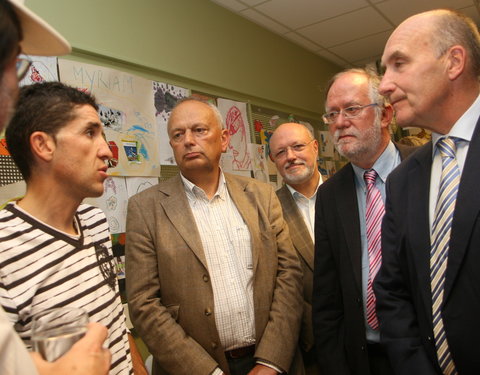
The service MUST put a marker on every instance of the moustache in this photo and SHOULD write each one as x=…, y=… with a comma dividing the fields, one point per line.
x=295, y=162
x=341, y=133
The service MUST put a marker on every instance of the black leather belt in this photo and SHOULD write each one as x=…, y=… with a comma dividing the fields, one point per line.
x=240, y=352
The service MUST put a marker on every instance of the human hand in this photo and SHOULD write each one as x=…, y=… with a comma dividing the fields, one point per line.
x=86, y=357
x=262, y=370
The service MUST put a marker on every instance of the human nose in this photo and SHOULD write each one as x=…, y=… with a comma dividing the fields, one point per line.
x=386, y=86
x=290, y=154
x=104, y=151
x=341, y=122
x=188, y=137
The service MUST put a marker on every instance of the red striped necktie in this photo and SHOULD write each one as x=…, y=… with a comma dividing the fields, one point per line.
x=374, y=212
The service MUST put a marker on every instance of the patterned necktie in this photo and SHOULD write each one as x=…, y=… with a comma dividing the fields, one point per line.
x=440, y=239
x=373, y=219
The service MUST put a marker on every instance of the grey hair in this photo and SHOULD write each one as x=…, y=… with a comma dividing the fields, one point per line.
x=212, y=106
x=373, y=84
x=454, y=28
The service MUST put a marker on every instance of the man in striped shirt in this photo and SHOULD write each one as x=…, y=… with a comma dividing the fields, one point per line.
x=55, y=251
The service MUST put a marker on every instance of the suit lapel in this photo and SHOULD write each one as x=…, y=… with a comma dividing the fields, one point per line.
x=418, y=192
x=246, y=203
x=298, y=230
x=466, y=211
x=346, y=201
x=179, y=213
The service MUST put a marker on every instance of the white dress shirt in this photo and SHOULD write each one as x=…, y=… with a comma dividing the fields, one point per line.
x=306, y=207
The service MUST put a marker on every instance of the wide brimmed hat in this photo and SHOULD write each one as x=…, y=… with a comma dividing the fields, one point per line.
x=39, y=38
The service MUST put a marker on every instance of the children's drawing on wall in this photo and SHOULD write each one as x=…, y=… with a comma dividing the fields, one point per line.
x=118, y=249
x=43, y=69
x=127, y=111
x=137, y=184
x=331, y=168
x=113, y=203
x=112, y=118
x=322, y=168
x=265, y=136
x=273, y=121
x=325, y=144
x=235, y=117
x=165, y=97
x=259, y=157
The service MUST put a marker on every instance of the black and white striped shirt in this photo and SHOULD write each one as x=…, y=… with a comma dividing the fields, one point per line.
x=41, y=268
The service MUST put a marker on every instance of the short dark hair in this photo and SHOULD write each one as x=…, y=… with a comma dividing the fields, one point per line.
x=45, y=107
x=10, y=34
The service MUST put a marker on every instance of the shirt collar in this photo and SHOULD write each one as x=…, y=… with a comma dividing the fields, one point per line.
x=194, y=192
x=296, y=194
x=463, y=128
x=383, y=165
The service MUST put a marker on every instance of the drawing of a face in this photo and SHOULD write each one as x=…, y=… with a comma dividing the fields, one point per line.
x=236, y=129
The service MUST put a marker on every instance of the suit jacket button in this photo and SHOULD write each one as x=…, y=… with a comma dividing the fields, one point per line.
x=214, y=345
x=429, y=339
x=208, y=311
x=205, y=278
x=363, y=348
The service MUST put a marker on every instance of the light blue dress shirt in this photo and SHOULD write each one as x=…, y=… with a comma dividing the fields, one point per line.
x=389, y=159
x=463, y=130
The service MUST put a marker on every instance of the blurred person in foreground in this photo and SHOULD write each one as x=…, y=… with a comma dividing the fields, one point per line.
x=23, y=31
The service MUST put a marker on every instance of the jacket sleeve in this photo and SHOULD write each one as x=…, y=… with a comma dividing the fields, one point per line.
x=399, y=327
x=279, y=340
x=327, y=305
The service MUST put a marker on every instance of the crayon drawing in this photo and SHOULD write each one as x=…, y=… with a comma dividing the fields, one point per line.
x=165, y=97
x=125, y=108
x=236, y=122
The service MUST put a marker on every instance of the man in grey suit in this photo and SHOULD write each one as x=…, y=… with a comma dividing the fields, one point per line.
x=346, y=253
x=213, y=281
x=295, y=153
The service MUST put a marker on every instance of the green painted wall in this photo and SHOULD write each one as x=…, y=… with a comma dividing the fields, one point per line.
x=194, y=43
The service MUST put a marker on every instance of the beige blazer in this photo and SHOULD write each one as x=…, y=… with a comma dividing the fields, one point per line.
x=168, y=284
x=302, y=241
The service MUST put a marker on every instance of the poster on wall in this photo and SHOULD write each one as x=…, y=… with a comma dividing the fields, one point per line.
x=127, y=112
x=165, y=97
x=259, y=162
x=43, y=69
x=236, y=122
x=325, y=144
x=114, y=201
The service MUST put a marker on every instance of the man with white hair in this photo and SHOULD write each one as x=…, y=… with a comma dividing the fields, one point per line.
x=348, y=214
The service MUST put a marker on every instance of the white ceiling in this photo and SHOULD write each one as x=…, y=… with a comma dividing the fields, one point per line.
x=346, y=32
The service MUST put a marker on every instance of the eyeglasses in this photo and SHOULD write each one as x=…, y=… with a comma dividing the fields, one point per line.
x=23, y=64
x=349, y=112
x=299, y=147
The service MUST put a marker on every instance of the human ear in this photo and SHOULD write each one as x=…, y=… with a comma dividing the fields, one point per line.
x=42, y=145
x=456, y=60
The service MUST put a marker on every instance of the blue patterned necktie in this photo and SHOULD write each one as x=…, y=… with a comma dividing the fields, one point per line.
x=440, y=241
